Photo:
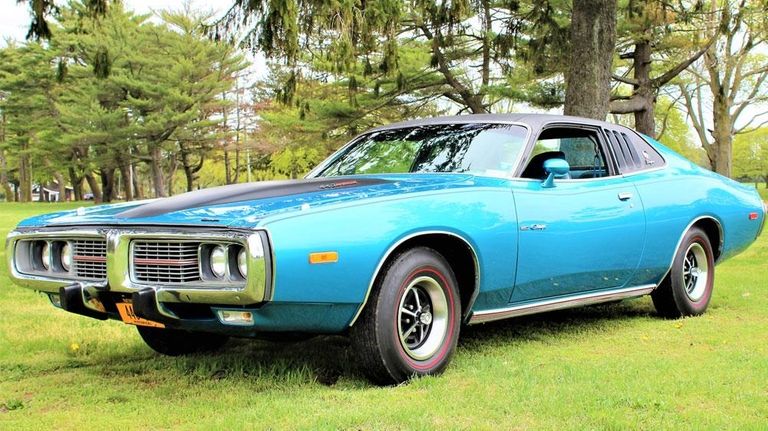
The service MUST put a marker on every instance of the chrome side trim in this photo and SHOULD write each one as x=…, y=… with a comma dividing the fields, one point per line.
x=645, y=171
x=394, y=246
x=560, y=303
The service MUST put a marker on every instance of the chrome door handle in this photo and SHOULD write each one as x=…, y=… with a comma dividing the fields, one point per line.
x=625, y=196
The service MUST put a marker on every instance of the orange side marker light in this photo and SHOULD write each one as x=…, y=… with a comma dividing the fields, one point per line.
x=323, y=257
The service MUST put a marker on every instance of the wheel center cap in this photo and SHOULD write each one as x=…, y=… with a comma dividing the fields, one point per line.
x=695, y=271
x=425, y=318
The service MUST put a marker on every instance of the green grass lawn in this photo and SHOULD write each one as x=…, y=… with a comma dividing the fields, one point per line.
x=605, y=367
x=763, y=192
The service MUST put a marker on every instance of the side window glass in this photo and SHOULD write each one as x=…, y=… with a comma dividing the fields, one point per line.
x=579, y=147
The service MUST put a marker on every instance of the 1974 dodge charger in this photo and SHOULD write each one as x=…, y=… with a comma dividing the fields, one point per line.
x=400, y=237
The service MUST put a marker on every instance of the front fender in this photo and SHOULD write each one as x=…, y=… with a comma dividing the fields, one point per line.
x=362, y=234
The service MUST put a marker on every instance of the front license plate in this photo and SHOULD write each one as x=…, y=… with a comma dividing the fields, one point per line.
x=126, y=313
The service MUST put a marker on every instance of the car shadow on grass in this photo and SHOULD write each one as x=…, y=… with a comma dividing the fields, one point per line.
x=326, y=360
x=556, y=324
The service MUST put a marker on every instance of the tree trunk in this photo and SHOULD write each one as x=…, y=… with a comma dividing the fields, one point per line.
x=174, y=165
x=4, y=180
x=645, y=121
x=62, y=186
x=125, y=177
x=723, y=136
x=77, y=184
x=158, y=179
x=138, y=192
x=593, y=40
x=189, y=170
x=227, y=174
x=25, y=177
x=107, y=184
x=95, y=189
x=16, y=191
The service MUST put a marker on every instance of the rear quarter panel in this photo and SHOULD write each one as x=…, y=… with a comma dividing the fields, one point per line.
x=677, y=195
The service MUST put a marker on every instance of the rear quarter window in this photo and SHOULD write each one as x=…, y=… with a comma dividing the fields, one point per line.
x=649, y=157
x=632, y=152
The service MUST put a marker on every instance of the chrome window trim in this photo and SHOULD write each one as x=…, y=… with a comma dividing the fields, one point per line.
x=559, y=123
x=512, y=173
x=560, y=303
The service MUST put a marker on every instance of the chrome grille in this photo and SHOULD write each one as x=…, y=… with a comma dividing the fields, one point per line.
x=165, y=262
x=90, y=259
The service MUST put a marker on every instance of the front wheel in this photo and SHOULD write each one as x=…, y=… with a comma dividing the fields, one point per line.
x=175, y=342
x=687, y=289
x=410, y=325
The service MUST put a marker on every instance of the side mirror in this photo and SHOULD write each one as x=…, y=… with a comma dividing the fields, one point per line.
x=555, y=168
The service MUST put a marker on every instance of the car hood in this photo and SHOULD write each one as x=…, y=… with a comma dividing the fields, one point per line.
x=246, y=205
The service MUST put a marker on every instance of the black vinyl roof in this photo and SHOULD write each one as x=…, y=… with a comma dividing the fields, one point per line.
x=535, y=121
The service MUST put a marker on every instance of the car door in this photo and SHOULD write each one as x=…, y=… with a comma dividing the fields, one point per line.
x=587, y=232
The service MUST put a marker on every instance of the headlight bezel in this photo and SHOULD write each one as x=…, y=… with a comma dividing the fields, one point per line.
x=242, y=262
x=66, y=257
x=44, y=256
x=234, y=252
x=218, y=261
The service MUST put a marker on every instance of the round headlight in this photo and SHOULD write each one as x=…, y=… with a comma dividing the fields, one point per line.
x=218, y=261
x=66, y=256
x=242, y=262
x=45, y=256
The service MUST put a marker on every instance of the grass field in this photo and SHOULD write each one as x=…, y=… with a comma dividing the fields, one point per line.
x=605, y=367
x=763, y=192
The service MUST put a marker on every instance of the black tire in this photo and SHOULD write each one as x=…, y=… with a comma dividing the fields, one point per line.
x=416, y=295
x=687, y=289
x=175, y=342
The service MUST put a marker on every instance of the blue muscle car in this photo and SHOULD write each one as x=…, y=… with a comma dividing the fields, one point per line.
x=400, y=237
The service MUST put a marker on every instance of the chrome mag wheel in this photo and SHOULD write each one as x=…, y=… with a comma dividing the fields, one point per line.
x=423, y=318
x=687, y=289
x=695, y=271
x=411, y=324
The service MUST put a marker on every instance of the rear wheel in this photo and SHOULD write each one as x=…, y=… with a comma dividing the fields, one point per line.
x=175, y=342
x=410, y=325
x=687, y=289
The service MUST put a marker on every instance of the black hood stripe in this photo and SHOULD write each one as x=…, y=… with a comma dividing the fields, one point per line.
x=244, y=192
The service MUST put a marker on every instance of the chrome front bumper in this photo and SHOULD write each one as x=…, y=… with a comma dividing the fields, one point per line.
x=257, y=287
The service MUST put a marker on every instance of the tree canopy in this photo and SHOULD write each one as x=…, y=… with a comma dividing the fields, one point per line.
x=128, y=105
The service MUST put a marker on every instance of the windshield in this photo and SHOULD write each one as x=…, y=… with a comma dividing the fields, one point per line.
x=482, y=149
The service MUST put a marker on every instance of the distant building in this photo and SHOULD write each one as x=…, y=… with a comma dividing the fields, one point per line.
x=50, y=193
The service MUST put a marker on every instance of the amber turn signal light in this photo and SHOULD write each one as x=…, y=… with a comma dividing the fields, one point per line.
x=324, y=257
